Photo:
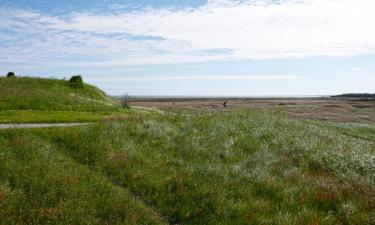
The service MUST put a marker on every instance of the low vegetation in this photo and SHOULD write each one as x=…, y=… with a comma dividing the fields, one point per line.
x=201, y=168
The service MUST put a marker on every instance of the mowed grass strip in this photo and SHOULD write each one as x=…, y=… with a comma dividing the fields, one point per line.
x=41, y=185
x=231, y=168
x=40, y=116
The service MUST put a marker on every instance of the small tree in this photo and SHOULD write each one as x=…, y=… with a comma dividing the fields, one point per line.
x=11, y=74
x=76, y=81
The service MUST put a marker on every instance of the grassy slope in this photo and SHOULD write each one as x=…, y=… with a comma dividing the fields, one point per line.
x=25, y=93
x=33, y=100
x=237, y=168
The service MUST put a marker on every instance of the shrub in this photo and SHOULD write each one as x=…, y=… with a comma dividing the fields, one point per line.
x=125, y=101
x=76, y=81
x=11, y=74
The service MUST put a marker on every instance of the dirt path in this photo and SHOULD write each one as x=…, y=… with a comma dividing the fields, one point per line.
x=39, y=125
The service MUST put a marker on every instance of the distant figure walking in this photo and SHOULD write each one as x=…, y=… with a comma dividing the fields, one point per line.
x=225, y=104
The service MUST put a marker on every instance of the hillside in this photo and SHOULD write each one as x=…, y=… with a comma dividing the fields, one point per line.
x=222, y=168
x=26, y=93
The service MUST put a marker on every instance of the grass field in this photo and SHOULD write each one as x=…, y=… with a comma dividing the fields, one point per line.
x=357, y=130
x=276, y=161
x=237, y=167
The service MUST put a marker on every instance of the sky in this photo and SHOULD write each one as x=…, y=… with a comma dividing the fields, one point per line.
x=195, y=47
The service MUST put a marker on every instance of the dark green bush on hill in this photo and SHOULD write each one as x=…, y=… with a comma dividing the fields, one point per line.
x=76, y=81
x=11, y=74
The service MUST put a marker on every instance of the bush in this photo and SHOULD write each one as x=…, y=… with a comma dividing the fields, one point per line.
x=76, y=81
x=125, y=101
x=11, y=74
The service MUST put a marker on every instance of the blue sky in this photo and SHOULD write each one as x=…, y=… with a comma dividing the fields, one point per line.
x=176, y=47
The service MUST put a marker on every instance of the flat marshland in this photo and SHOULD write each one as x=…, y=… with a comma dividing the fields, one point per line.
x=328, y=109
x=233, y=166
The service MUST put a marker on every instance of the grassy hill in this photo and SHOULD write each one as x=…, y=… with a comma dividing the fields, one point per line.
x=33, y=100
x=25, y=93
x=223, y=168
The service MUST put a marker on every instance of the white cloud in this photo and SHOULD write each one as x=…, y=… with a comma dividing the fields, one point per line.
x=219, y=30
x=358, y=69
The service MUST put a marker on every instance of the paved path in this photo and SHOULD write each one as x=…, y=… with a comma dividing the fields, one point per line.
x=39, y=125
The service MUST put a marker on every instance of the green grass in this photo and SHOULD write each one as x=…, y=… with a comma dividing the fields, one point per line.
x=36, y=100
x=41, y=185
x=26, y=93
x=40, y=116
x=224, y=168
x=359, y=130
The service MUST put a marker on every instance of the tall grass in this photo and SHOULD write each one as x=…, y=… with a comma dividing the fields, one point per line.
x=224, y=168
x=40, y=185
